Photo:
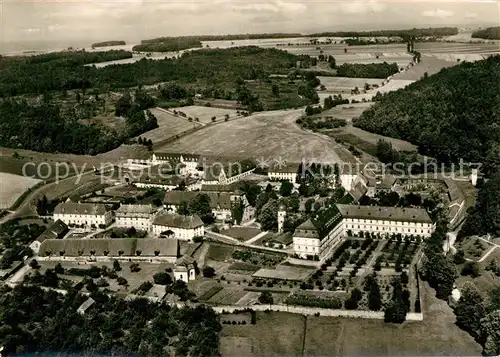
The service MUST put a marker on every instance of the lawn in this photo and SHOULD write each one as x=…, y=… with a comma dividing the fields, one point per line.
x=272, y=136
x=13, y=186
x=274, y=334
x=437, y=335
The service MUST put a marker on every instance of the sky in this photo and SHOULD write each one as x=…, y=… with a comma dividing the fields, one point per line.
x=133, y=20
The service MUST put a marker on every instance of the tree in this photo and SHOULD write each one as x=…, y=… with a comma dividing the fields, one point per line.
x=459, y=257
x=116, y=265
x=286, y=188
x=183, y=208
x=490, y=333
x=201, y=206
x=268, y=217
x=121, y=281
x=395, y=312
x=308, y=205
x=123, y=105
x=317, y=206
x=439, y=271
x=162, y=278
x=471, y=268
x=374, y=297
x=34, y=264
x=470, y=309
x=266, y=298
x=276, y=90
x=208, y=272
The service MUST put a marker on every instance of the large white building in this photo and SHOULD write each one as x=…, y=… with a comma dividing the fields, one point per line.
x=168, y=183
x=87, y=214
x=288, y=172
x=172, y=225
x=319, y=234
x=183, y=164
x=137, y=216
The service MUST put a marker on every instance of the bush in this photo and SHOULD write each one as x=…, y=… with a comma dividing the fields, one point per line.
x=208, y=272
x=472, y=269
x=162, y=278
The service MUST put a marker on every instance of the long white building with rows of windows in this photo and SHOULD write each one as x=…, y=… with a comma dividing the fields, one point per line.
x=318, y=235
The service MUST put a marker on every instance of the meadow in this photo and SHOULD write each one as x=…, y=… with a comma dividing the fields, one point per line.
x=205, y=114
x=13, y=186
x=169, y=126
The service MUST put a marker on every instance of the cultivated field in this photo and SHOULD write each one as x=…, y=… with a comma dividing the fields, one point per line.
x=205, y=114
x=169, y=125
x=13, y=186
x=269, y=135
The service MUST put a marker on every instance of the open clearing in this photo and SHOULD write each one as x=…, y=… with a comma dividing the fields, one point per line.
x=13, y=186
x=437, y=335
x=271, y=135
x=205, y=114
x=345, y=84
x=169, y=125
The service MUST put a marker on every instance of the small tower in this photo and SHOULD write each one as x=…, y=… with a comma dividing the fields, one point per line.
x=281, y=218
x=473, y=177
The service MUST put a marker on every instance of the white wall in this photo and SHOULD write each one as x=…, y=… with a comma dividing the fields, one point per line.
x=142, y=223
x=84, y=219
x=180, y=233
x=388, y=227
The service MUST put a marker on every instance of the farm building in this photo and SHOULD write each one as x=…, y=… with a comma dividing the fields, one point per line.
x=167, y=183
x=288, y=172
x=182, y=164
x=137, y=216
x=87, y=214
x=115, y=248
x=177, y=226
x=317, y=235
x=85, y=306
x=56, y=230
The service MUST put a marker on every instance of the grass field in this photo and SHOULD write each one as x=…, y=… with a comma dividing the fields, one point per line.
x=437, y=335
x=12, y=186
x=345, y=85
x=168, y=126
x=270, y=135
x=205, y=114
x=241, y=233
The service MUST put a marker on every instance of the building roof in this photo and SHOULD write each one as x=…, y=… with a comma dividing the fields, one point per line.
x=86, y=304
x=178, y=221
x=320, y=225
x=95, y=209
x=176, y=157
x=218, y=200
x=232, y=188
x=289, y=168
x=185, y=260
x=113, y=247
x=173, y=180
x=54, y=231
x=385, y=213
x=358, y=191
x=135, y=209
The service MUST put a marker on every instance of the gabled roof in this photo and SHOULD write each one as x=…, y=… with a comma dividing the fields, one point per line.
x=113, y=247
x=399, y=214
x=54, y=231
x=358, y=191
x=135, y=209
x=80, y=208
x=290, y=168
x=232, y=188
x=177, y=221
x=388, y=181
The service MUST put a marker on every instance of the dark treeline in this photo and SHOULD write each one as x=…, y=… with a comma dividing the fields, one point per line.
x=34, y=320
x=168, y=45
x=490, y=33
x=109, y=43
x=37, y=75
x=369, y=70
x=423, y=32
x=452, y=115
x=255, y=36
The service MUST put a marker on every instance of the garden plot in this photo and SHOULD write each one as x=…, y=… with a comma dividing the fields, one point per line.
x=169, y=126
x=205, y=114
x=270, y=135
x=13, y=186
x=227, y=296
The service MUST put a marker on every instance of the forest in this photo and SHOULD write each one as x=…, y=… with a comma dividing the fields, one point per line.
x=369, y=70
x=490, y=33
x=423, y=32
x=35, y=320
x=109, y=43
x=167, y=44
x=452, y=115
x=59, y=71
x=254, y=36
